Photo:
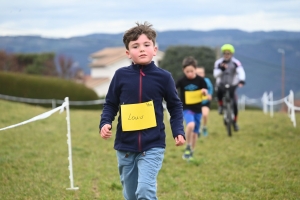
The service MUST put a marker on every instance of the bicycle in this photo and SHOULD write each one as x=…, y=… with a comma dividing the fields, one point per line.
x=228, y=114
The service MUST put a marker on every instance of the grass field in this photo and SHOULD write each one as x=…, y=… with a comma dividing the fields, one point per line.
x=261, y=161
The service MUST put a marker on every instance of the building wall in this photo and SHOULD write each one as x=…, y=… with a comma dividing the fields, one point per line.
x=158, y=57
x=109, y=71
x=102, y=89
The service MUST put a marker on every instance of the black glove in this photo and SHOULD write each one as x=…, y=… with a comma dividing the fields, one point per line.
x=242, y=82
x=221, y=67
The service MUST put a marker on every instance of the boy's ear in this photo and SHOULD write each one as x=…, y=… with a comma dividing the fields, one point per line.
x=128, y=54
x=155, y=50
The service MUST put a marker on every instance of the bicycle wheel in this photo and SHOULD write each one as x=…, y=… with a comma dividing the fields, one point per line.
x=228, y=119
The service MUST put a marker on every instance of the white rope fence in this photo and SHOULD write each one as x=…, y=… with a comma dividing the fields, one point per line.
x=268, y=104
x=51, y=101
x=45, y=115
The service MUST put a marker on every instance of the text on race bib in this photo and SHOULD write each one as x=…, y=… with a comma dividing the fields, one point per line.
x=138, y=116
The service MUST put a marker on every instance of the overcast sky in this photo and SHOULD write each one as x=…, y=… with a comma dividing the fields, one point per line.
x=66, y=18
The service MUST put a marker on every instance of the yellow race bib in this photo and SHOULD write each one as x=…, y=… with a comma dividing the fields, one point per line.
x=138, y=116
x=194, y=97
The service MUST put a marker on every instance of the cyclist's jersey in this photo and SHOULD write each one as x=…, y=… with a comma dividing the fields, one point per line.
x=232, y=75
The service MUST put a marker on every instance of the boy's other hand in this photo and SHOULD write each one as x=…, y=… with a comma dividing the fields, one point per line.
x=209, y=97
x=179, y=140
x=204, y=91
x=106, y=131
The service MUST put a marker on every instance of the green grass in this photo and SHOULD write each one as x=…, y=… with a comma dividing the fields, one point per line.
x=262, y=161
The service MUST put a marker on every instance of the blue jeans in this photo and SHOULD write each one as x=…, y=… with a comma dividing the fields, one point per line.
x=138, y=173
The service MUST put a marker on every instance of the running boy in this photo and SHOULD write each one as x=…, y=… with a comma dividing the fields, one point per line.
x=137, y=92
x=205, y=103
x=192, y=88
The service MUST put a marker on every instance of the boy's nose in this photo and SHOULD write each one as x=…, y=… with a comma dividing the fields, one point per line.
x=142, y=48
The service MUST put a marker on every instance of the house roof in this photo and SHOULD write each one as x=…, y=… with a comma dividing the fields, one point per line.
x=94, y=82
x=107, y=56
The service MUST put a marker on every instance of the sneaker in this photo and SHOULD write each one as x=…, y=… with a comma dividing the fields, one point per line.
x=191, y=159
x=220, y=110
x=199, y=134
x=204, y=131
x=187, y=154
x=235, y=126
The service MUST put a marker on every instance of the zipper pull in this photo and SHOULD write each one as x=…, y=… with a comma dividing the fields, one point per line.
x=141, y=72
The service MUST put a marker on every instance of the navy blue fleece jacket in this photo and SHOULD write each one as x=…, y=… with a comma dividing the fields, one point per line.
x=137, y=84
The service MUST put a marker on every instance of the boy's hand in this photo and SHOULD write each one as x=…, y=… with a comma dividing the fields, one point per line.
x=204, y=91
x=209, y=97
x=106, y=131
x=179, y=140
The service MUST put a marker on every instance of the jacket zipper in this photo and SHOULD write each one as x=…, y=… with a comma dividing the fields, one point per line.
x=140, y=101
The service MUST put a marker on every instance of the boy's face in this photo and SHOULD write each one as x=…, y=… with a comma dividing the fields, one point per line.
x=227, y=55
x=200, y=72
x=190, y=72
x=141, y=51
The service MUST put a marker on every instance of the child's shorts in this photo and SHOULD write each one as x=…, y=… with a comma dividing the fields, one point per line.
x=206, y=104
x=190, y=116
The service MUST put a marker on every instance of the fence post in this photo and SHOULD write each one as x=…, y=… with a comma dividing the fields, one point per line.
x=264, y=101
x=242, y=102
x=69, y=146
x=291, y=111
x=239, y=103
x=271, y=104
x=53, y=103
x=290, y=100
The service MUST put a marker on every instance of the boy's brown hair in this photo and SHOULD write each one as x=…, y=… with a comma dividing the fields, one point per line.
x=190, y=60
x=134, y=33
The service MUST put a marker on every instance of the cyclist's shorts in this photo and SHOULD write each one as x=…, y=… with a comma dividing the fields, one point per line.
x=190, y=116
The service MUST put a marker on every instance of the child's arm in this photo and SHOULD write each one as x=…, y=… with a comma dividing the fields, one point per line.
x=203, y=86
x=174, y=106
x=218, y=70
x=110, y=108
x=210, y=88
x=241, y=74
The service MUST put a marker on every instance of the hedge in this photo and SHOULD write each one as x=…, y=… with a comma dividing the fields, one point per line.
x=41, y=87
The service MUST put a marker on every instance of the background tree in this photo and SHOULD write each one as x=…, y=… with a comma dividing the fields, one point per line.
x=174, y=56
x=37, y=63
x=8, y=62
x=67, y=67
x=30, y=63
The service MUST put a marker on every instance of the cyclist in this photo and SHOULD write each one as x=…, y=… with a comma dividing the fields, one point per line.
x=229, y=70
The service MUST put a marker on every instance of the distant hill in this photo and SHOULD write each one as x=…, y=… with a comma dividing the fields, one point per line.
x=258, y=52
